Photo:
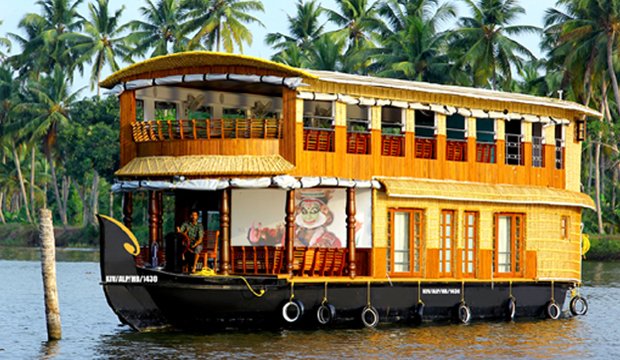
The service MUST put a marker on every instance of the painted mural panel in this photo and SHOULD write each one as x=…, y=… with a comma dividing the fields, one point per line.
x=320, y=217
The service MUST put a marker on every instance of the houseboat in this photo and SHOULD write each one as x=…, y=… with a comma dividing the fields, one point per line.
x=328, y=199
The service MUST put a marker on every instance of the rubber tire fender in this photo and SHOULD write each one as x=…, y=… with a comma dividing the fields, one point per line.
x=511, y=308
x=574, y=306
x=370, y=316
x=553, y=311
x=294, y=305
x=325, y=313
x=418, y=314
x=463, y=313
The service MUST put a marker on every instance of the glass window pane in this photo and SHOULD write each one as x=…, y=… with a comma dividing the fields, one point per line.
x=503, y=243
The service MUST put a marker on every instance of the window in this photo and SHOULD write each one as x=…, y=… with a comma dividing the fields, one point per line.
x=425, y=128
x=392, y=131
x=201, y=112
x=165, y=110
x=468, y=258
x=485, y=141
x=538, y=148
x=456, y=144
x=580, y=130
x=139, y=110
x=446, y=245
x=358, y=129
x=406, y=237
x=564, y=227
x=508, y=247
x=514, y=148
x=318, y=126
x=559, y=147
x=233, y=113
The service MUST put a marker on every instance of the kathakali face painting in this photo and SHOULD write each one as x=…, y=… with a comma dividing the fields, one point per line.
x=311, y=214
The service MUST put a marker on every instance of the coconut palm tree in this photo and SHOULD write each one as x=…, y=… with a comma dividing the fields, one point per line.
x=4, y=42
x=161, y=32
x=483, y=45
x=49, y=106
x=411, y=46
x=101, y=41
x=9, y=133
x=304, y=29
x=44, y=48
x=356, y=20
x=221, y=23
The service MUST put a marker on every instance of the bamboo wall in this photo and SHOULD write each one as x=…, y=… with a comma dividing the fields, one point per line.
x=547, y=256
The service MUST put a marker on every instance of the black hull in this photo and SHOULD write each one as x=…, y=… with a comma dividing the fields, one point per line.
x=147, y=299
x=194, y=302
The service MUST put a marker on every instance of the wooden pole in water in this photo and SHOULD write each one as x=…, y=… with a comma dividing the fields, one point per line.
x=48, y=270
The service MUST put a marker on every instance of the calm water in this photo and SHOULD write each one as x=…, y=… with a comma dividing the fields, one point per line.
x=91, y=330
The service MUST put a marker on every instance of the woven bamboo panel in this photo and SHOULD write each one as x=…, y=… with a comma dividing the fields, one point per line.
x=555, y=257
x=572, y=162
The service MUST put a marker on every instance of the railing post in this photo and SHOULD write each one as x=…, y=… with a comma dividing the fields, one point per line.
x=153, y=208
x=290, y=229
x=225, y=226
x=181, y=130
x=351, y=229
x=127, y=209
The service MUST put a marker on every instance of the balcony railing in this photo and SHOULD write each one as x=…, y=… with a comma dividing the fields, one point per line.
x=206, y=129
x=559, y=154
x=485, y=153
x=456, y=150
x=425, y=148
x=358, y=143
x=514, y=149
x=393, y=145
x=538, y=152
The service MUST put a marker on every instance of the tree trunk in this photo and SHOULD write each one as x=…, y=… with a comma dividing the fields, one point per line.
x=2, y=219
x=48, y=270
x=590, y=169
x=61, y=211
x=610, y=68
x=32, y=179
x=111, y=211
x=94, y=198
x=20, y=178
x=66, y=186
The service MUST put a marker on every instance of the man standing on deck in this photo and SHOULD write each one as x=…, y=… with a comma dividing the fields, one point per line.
x=194, y=231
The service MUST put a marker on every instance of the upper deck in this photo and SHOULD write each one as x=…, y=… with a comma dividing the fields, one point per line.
x=206, y=114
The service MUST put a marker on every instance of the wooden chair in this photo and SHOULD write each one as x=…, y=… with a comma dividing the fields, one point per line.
x=277, y=260
x=299, y=254
x=339, y=262
x=306, y=266
x=319, y=260
x=209, y=247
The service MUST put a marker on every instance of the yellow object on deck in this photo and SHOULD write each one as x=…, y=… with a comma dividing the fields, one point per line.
x=585, y=244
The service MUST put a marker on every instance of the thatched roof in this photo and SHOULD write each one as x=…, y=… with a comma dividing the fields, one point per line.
x=461, y=91
x=205, y=165
x=192, y=59
x=483, y=192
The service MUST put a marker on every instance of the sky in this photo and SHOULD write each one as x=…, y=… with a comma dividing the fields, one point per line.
x=274, y=18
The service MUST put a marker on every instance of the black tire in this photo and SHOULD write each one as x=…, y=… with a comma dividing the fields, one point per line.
x=578, y=306
x=553, y=310
x=325, y=314
x=370, y=317
x=511, y=308
x=292, y=311
x=463, y=313
x=418, y=313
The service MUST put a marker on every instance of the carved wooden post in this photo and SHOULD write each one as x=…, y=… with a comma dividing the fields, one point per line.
x=153, y=207
x=351, y=229
x=290, y=229
x=225, y=226
x=160, y=217
x=127, y=209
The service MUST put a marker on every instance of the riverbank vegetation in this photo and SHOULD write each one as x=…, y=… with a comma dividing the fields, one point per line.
x=59, y=149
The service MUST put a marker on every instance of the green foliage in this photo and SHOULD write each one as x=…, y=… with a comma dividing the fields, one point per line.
x=604, y=248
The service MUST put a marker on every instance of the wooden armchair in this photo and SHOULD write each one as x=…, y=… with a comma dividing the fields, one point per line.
x=209, y=247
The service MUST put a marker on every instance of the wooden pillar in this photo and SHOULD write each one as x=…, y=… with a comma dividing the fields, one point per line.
x=127, y=209
x=160, y=215
x=153, y=217
x=225, y=227
x=351, y=229
x=289, y=221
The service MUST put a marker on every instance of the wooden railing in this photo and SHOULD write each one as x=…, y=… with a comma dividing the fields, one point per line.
x=456, y=150
x=393, y=145
x=485, y=153
x=319, y=140
x=425, y=148
x=165, y=130
x=358, y=143
x=307, y=261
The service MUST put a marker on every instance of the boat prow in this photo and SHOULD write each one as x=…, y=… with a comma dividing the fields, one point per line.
x=122, y=285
